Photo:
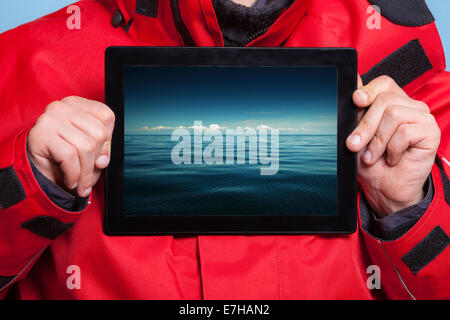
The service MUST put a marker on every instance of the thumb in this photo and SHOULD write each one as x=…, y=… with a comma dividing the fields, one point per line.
x=360, y=83
x=366, y=95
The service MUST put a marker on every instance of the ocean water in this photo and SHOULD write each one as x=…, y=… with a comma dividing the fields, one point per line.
x=304, y=185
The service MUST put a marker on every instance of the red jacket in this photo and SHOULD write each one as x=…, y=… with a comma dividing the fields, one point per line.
x=44, y=60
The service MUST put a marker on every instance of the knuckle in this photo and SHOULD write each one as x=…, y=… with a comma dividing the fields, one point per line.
x=404, y=131
x=423, y=106
x=98, y=135
x=44, y=119
x=88, y=146
x=107, y=115
x=69, y=154
x=387, y=81
x=392, y=112
x=54, y=107
x=71, y=100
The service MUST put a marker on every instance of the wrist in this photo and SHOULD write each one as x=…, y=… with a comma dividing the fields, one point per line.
x=383, y=206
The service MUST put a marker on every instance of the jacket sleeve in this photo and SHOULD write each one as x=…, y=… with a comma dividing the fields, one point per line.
x=417, y=264
x=59, y=196
x=29, y=220
x=398, y=223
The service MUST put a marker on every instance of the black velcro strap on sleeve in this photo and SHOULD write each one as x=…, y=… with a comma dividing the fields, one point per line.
x=147, y=8
x=403, y=65
x=409, y=13
x=11, y=189
x=5, y=280
x=445, y=181
x=47, y=227
x=426, y=250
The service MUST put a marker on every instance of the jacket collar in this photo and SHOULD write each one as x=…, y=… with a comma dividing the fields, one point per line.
x=179, y=22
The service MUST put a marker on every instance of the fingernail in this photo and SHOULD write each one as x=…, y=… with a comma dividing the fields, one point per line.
x=368, y=155
x=362, y=95
x=354, y=139
x=74, y=186
x=86, y=192
x=102, y=160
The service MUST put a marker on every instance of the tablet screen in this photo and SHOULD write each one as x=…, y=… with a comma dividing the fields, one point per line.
x=216, y=140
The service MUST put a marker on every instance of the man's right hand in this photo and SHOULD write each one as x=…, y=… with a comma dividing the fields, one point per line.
x=71, y=143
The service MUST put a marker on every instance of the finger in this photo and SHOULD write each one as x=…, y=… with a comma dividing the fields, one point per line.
x=96, y=176
x=393, y=117
x=95, y=129
x=90, y=125
x=406, y=136
x=104, y=157
x=95, y=108
x=366, y=128
x=67, y=157
x=399, y=143
x=366, y=95
x=86, y=149
x=98, y=132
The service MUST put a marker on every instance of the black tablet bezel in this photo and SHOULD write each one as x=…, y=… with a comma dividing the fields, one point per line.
x=344, y=59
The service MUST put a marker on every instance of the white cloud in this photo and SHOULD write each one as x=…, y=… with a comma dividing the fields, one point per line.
x=145, y=128
x=263, y=127
x=162, y=128
x=157, y=128
x=198, y=127
x=216, y=126
x=211, y=126
x=219, y=127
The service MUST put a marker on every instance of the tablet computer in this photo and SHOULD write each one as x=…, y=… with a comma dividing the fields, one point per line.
x=230, y=141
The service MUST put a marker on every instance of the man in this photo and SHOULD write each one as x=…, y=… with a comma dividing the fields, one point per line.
x=55, y=138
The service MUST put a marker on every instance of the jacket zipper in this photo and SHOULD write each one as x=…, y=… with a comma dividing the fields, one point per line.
x=254, y=36
x=396, y=270
x=23, y=269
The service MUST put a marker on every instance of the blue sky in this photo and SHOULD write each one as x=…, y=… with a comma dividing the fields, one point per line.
x=14, y=13
x=294, y=100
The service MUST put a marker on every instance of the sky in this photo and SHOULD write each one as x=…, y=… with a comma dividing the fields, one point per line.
x=14, y=13
x=295, y=100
